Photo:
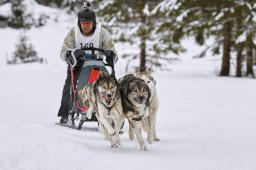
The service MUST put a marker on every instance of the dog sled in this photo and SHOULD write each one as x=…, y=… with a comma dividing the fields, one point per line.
x=85, y=66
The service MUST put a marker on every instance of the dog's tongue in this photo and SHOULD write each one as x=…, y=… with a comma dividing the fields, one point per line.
x=108, y=100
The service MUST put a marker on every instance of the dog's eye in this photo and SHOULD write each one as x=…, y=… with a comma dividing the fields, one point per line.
x=104, y=87
x=148, y=81
x=112, y=86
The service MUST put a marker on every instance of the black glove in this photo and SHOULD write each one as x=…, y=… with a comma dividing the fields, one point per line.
x=109, y=61
x=68, y=57
x=78, y=53
x=110, y=57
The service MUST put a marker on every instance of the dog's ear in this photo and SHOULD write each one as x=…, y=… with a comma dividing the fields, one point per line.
x=102, y=74
x=137, y=71
x=149, y=71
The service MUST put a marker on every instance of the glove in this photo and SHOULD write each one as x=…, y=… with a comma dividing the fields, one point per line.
x=78, y=53
x=68, y=57
x=110, y=57
x=74, y=53
x=109, y=61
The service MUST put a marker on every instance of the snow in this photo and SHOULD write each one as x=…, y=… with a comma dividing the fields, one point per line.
x=241, y=38
x=146, y=10
x=165, y=6
x=204, y=122
x=5, y=10
x=220, y=15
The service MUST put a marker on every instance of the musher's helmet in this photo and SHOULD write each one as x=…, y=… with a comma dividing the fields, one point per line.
x=87, y=14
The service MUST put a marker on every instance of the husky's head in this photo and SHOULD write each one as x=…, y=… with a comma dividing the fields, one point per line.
x=146, y=75
x=138, y=92
x=134, y=92
x=106, y=88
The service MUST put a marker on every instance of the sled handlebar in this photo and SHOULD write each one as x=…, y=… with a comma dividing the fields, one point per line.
x=92, y=49
x=74, y=61
x=79, y=55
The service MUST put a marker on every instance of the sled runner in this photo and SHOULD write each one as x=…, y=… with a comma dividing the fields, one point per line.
x=74, y=127
x=85, y=66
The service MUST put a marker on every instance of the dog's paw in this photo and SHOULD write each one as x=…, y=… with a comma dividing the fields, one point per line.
x=143, y=147
x=112, y=133
x=114, y=145
x=156, y=139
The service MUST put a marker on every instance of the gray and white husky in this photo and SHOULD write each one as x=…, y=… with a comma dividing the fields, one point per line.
x=104, y=97
x=135, y=96
x=153, y=100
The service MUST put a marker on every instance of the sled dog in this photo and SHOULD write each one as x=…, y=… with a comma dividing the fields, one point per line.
x=153, y=100
x=135, y=96
x=104, y=97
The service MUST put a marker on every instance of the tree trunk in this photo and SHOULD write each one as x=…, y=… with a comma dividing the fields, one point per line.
x=143, y=44
x=143, y=53
x=226, y=50
x=239, y=46
x=239, y=61
x=249, y=65
x=254, y=58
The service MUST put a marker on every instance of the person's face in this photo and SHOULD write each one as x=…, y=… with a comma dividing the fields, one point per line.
x=86, y=26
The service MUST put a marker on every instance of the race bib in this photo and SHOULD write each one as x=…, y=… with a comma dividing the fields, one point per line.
x=88, y=41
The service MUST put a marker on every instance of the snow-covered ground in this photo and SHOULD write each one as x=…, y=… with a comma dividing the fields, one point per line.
x=204, y=122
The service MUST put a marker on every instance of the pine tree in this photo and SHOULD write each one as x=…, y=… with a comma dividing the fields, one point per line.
x=226, y=20
x=52, y=3
x=25, y=52
x=17, y=19
x=73, y=5
x=134, y=22
x=249, y=65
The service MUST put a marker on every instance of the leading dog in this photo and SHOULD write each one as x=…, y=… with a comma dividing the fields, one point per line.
x=146, y=75
x=104, y=97
x=135, y=96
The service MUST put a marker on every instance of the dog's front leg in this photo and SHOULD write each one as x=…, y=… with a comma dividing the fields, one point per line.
x=89, y=111
x=103, y=130
x=107, y=125
x=131, y=130
x=118, y=125
x=146, y=121
x=111, y=133
x=138, y=133
x=153, y=123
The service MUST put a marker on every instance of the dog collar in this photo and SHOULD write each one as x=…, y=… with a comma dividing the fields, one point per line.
x=137, y=118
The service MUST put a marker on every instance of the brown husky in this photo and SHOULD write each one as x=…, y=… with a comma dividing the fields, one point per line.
x=153, y=100
x=135, y=96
